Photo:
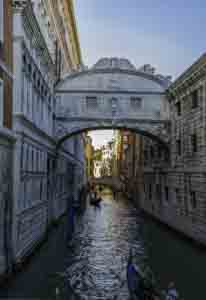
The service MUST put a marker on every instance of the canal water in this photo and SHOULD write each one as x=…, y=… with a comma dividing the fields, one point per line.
x=93, y=264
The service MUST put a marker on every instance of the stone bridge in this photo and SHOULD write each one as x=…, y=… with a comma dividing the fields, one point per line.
x=113, y=95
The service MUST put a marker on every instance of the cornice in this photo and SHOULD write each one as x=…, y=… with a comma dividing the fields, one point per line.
x=31, y=26
x=109, y=91
x=196, y=71
x=34, y=128
x=113, y=71
x=71, y=12
x=111, y=120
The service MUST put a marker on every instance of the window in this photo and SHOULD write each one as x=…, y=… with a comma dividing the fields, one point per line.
x=145, y=155
x=178, y=108
x=151, y=152
x=91, y=103
x=166, y=193
x=159, y=152
x=194, y=99
x=158, y=191
x=1, y=21
x=193, y=199
x=150, y=191
x=178, y=147
x=194, y=142
x=1, y=102
x=177, y=192
x=136, y=102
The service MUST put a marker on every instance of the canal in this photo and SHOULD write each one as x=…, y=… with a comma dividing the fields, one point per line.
x=93, y=264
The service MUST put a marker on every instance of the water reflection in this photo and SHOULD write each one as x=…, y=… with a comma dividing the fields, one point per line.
x=99, y=251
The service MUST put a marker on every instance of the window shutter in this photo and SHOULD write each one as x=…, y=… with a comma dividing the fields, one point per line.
x=1, y=20
x=1, y=101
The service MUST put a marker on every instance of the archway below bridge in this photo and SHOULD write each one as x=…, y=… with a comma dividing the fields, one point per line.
x=160, y=134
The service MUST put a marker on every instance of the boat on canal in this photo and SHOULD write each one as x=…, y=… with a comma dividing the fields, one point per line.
x=94, y=199
x=141, y=284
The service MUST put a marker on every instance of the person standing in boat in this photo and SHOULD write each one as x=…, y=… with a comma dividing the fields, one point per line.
x=172, y=293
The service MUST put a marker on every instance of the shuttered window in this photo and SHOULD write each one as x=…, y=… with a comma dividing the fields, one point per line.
x=1, y=101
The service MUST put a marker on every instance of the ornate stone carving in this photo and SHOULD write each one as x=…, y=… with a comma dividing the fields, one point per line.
x=19, y=5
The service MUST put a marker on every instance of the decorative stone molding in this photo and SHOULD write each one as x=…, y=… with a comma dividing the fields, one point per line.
x=19, y=5
x=157, y=130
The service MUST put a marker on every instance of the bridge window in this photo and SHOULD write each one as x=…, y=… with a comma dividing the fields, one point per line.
x=136, y=102
x=91, y=103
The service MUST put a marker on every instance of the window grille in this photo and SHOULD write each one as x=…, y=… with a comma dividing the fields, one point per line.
x=136, y=102
x=91, y=103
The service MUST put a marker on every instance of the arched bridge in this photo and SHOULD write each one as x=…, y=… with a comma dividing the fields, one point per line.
x=113, y=94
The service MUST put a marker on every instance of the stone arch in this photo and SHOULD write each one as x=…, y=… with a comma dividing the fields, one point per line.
x=142, y=131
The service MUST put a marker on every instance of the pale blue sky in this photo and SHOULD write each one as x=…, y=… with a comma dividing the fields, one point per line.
x=170, y=35
x=167, y=34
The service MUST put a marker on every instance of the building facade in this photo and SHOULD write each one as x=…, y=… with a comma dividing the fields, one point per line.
x=128, y=162
x=7, y=137
x=45, y=179
x=175, y=184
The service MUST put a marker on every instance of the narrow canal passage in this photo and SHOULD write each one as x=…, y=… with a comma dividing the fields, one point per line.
x=93, y=265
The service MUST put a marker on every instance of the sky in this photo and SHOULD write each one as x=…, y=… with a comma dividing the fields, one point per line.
x=167, y=34
x=101, y=137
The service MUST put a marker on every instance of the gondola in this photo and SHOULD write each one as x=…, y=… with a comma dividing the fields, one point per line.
x=135, y=282
x=139, y=285
x=95, y=201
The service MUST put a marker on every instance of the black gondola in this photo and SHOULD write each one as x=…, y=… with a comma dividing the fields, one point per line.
x=95, y=201
x=140, y=284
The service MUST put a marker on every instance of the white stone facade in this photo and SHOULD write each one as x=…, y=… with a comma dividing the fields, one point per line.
x=111, y=95
x=44, y=179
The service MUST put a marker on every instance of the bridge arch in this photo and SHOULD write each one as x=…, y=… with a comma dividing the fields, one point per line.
x=113, y=94
x=159, y=138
